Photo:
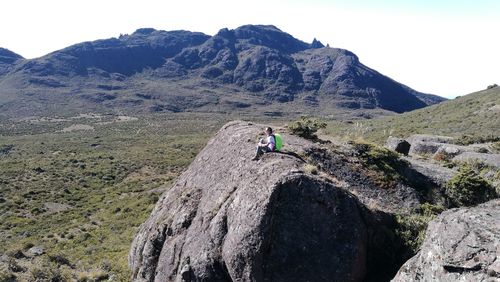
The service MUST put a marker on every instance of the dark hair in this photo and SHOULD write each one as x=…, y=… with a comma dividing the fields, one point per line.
x=269, y=129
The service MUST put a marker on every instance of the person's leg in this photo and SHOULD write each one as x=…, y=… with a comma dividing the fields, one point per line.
x=258, y=152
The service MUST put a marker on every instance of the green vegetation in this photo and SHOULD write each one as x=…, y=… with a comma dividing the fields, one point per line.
x=82, y=194
x=306, y=127
x=467, y=188
x=411, y=228
x=384, y=163
x=312, y=169
x=474, y=139
x=476, y=115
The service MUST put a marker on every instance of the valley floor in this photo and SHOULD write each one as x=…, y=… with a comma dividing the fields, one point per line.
x=79, y=188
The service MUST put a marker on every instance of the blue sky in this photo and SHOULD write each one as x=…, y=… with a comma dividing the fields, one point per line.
x=445, y=47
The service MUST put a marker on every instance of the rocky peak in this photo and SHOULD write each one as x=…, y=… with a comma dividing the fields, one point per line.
x=269, y=36
x=144, y=31
x=264, y=65
x=315, y=44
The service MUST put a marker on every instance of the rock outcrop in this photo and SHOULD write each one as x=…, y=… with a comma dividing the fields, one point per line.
x=489, y=159
x=460, y=245
x=398, y=145
x=231, y=219
x=314, y=212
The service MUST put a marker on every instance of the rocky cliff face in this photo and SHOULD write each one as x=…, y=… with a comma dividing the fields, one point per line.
x=460, y=245
x=152, y=70
x=311, y=213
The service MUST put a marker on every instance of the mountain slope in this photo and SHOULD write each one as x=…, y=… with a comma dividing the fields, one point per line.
x=252, y=68
x=476, y=114
x=7, y=60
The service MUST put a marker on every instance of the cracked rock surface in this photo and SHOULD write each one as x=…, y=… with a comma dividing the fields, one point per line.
x=460, y=245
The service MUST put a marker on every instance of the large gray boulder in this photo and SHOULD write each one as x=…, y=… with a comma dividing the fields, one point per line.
x=429, y=138
x=424, y=148
x=460, y=245
x=435, y=172
x=489, y=159
x=231, y=219
x=398, y=145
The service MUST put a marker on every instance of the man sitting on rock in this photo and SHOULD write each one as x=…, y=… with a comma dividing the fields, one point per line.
x=267, y=145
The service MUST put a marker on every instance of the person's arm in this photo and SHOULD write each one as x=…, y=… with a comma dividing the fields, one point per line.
x=262, y=142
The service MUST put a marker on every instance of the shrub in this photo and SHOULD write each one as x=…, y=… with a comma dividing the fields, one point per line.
x=467, y=188
x=496, y=147
x=470, y=139
x=309, y=168
x=7, y=276
x=430, y=210
x=306, y=127
x=385, y=163
x=411, y=230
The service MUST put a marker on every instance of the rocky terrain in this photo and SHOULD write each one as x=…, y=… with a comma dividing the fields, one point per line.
x=314, y=212
x=460, y=245
x=440, y=151
x=253, y=68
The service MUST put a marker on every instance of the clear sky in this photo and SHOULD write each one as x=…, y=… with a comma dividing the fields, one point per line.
x=444, y=47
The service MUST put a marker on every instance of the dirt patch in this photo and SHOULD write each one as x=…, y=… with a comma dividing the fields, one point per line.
x=148, y=172
x=77, y=127
x=55, y=207
x=125, y=118
x=88, y=116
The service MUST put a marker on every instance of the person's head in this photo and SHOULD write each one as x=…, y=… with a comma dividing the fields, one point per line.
x=268, y=131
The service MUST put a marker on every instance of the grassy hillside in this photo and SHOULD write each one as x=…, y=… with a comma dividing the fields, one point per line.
x=80, y=186
x=476, y=114
x=80, y=193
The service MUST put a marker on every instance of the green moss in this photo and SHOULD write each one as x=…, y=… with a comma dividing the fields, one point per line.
x=467, y=188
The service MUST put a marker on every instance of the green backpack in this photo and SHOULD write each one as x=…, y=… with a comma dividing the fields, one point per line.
x=279, y=142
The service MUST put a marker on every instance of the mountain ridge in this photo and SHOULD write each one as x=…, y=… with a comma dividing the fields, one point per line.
x=252, y=67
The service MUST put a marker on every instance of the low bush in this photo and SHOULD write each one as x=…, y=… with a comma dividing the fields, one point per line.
x=306, y=127
x=312, y=169
x=467, y=188
x=7, y=275
x=387, y=164
x=471, y=139
x=411, y=228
